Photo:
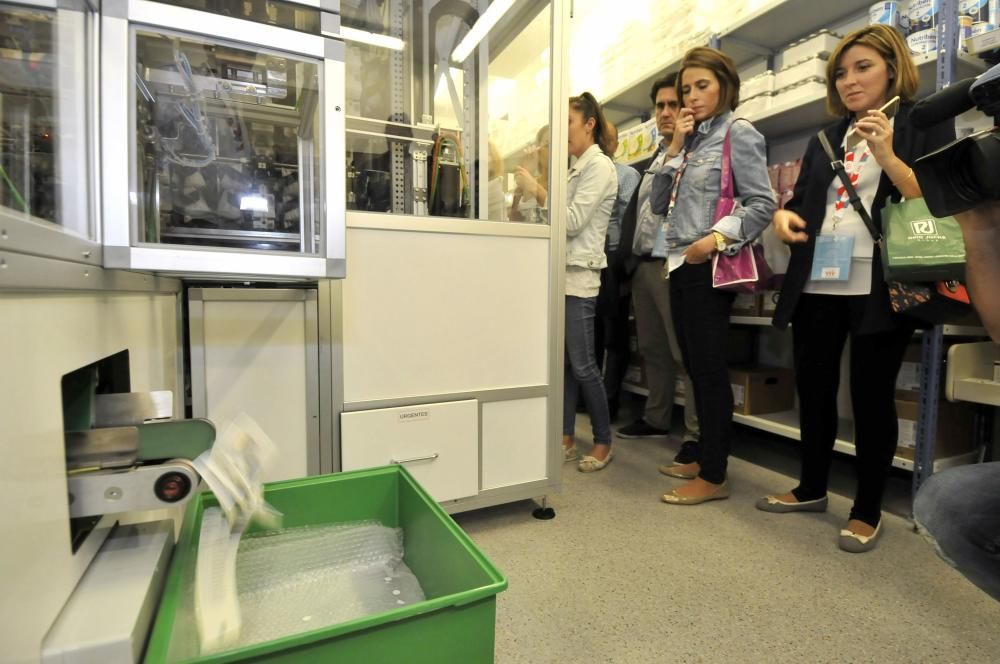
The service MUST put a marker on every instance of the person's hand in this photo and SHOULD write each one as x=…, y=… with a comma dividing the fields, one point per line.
x=683, y=127
x=789, y=227
x=700, y=251
x=525, y=181
x=875, y=129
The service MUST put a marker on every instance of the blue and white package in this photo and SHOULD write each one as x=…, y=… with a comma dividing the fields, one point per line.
x=979, y=10
x=923, y=15
x=886, y=13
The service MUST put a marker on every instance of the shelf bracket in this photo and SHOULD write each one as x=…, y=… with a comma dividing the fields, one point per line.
x=947, y=42
x=930, y=383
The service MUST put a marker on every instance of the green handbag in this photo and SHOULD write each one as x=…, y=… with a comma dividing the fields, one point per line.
x=919, y=246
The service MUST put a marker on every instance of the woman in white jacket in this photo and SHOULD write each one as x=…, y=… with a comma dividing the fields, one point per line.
x=591, y=191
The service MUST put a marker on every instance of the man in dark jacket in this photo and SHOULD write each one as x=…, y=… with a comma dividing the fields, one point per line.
x=651, y=295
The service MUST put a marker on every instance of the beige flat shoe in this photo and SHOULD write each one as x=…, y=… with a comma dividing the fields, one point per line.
x=570, y=453
x=719, y=494
x=852, y=542
x=684, y=471
x=589, y=464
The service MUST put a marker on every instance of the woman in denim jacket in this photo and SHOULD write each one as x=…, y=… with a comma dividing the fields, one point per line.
x=686, y=190
x=591, y=192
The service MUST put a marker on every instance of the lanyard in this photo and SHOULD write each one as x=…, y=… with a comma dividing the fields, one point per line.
x=853, y=164
x=677, y=179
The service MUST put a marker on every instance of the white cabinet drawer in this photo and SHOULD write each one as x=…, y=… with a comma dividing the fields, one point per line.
x=437, y=443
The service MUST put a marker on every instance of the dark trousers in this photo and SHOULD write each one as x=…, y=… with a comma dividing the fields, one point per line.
x=701, y=319
x=611, y=333
x=820, y=327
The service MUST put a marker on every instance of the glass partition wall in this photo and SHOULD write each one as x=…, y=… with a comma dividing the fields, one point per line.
x=448, y=103
x=45, y=127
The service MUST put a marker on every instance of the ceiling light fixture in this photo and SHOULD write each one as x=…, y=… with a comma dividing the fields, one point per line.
x=482, y=27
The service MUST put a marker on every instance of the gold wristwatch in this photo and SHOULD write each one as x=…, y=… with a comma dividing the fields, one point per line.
x=720, y=241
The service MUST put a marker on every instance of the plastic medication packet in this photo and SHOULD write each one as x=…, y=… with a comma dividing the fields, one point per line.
x=216, y=603
x=233, y=470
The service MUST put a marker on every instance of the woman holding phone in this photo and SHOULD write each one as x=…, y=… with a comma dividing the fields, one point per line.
x=686, y=190
x=834, y=289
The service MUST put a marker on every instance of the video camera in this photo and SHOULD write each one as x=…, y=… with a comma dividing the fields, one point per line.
x=966, y=172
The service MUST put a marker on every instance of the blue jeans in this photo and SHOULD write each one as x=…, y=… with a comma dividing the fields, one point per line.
x=960, y=509
x=580, y=372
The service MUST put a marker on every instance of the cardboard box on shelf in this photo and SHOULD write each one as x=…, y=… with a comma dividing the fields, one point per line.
x=760, y=390
x=955, y=429
x=769, y=302
x=746, y=304
x=908, y=378
x=636, y=375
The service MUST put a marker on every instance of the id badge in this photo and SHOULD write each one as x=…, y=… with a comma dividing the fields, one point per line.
x=832, y=258
x=660, y=245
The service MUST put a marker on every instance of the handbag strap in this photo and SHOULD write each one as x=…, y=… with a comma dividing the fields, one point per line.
x=838, y=167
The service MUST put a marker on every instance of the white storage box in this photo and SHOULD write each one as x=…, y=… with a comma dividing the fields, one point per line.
x=757, y=85
x=987, y=41
x=822, y=42
x=814, y=67
x=755, y=106
x=801, y=92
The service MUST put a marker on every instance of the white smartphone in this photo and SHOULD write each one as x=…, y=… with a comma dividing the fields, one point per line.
x=890, y=108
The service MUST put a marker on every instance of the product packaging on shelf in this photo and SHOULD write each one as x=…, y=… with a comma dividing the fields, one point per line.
x=756, y=85
x=753, y=107
x=761, y=390
x=746, y=304
x=888, y=13
x=922, y=16
x=769, y=302
x=811, y=67
x=955, y=429
x=818, y=43
x=802, y=92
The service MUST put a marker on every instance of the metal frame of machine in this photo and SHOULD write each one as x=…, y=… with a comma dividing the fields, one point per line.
x=120, y=19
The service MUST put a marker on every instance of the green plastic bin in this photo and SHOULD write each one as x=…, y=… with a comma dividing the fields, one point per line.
x=456, y=623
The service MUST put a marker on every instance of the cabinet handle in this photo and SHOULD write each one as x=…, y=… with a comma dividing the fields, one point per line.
x=429, y=457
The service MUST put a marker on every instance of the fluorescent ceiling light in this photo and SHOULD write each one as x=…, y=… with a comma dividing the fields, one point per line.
x=482, y=27
x=365, y=37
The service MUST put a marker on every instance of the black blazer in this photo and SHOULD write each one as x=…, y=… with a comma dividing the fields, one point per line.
x=623, y=261
x=809, y=202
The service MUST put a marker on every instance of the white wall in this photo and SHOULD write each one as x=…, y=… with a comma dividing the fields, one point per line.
x=42, y=338
x=437, y=313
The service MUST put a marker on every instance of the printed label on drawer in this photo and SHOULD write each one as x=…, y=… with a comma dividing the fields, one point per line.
x=421, y=415
x=907, y=433
x=738, y=395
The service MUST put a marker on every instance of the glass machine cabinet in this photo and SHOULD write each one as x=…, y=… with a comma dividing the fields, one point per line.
x=46, y=137
x=223, y=138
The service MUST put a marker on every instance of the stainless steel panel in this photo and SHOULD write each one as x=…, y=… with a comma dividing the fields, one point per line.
x=112, y=447
x=114, y=492
x=162, y=15
x=114, y=410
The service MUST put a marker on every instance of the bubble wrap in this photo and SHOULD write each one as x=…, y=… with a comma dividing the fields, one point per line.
x=301, y=579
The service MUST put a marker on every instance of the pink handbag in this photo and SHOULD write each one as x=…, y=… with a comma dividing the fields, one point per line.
x=746, y=271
